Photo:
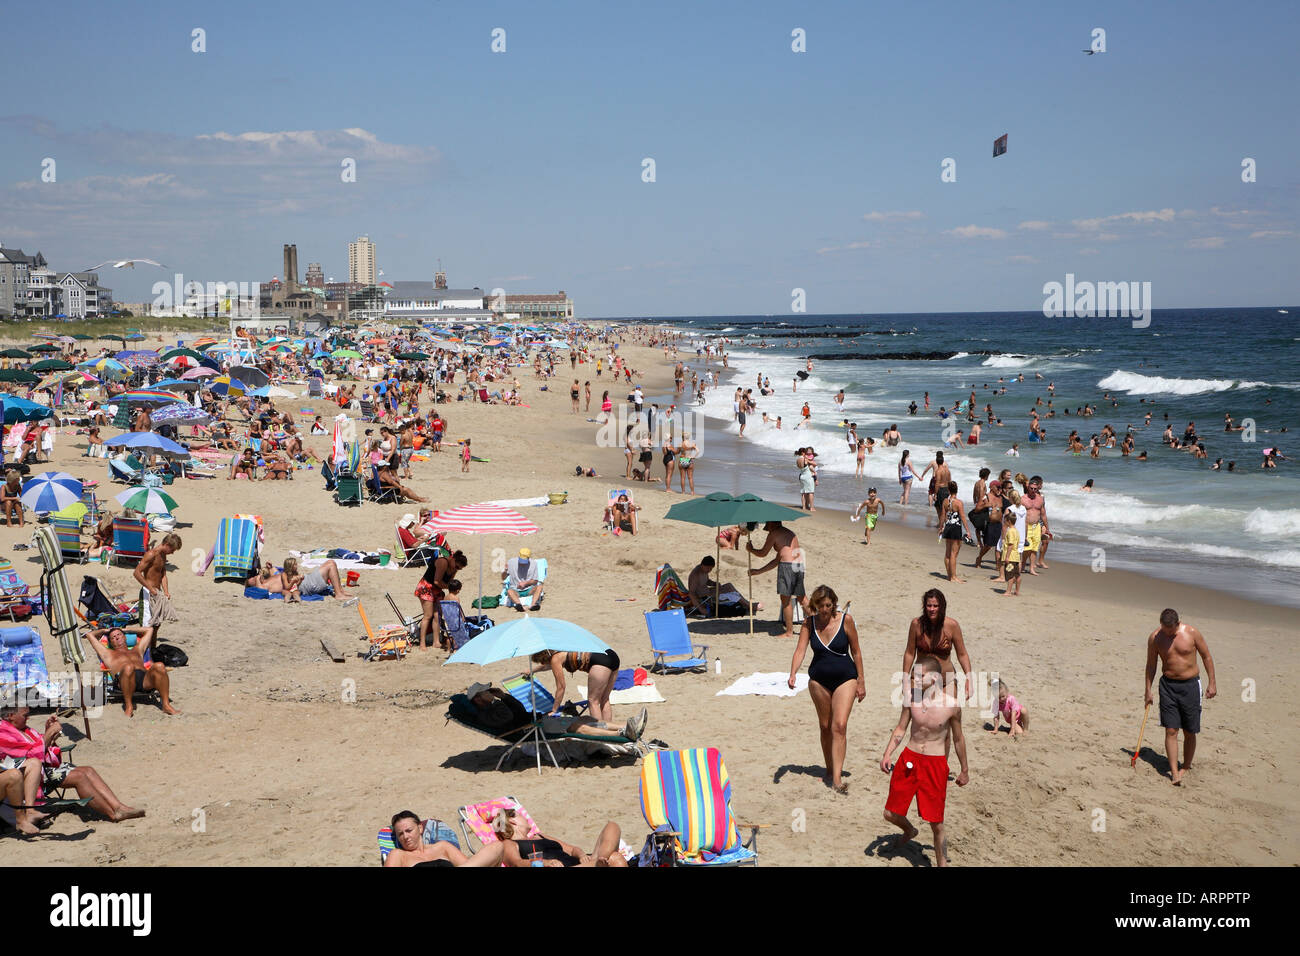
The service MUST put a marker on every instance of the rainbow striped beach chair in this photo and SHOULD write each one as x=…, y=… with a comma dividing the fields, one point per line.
x=236, y=550
x=687, y=793
x=669, y=589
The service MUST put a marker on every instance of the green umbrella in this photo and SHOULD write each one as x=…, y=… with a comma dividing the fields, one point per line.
x=18, y=376
x=83, y=338
x=346, y=353
x=51, y=365
x=16, y=353
x=205, y=346
x=721, y=509
x=168, y=356
x=149, y=501
x=45, y=347
x=412, y=356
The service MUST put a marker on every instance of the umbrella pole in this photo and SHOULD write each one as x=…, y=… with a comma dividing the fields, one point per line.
x=750, y=558
x=480, y=574
x=717, y=577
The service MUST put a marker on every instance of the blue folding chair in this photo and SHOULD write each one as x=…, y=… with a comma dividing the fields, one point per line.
x=669, y=636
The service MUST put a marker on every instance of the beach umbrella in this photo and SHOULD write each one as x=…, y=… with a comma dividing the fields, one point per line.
x=106, y=368
x=172, y=353
x=150, y=440
x=481, y=519
x=134, y=337
x=138, y=358
x=81, y=337
x=16, y=353
x=113, y=338
x=147, y=501
x=720, y=510
x=18, y=376
x=180, y=385
x=21, y=410
x=50, y=491
x=272, y=391
x=345, y=353
x=525, y=637
x=148, y=396
x=45, y=347
x=201, y=372
x=412, y=356
x=50, y=365
x=45, y=336
x=181, y=413
x=250, y=376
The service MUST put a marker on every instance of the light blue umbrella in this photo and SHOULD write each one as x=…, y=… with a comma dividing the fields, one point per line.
x=528, y=636
x=51, y=491
x=181, y=413
x=21, y=410
x=150, y=440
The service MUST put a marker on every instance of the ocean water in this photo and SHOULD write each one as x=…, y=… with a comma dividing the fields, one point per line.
x=1170, y=516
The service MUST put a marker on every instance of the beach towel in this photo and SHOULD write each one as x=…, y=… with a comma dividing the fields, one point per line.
x=766, y=685
x=24, y=676
x=262, y=594
x=156, y=608
x=235, y=550
x=648, y=694
x=669, y=589
x=519, y=502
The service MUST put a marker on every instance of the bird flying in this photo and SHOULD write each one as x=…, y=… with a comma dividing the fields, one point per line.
x=124, y=264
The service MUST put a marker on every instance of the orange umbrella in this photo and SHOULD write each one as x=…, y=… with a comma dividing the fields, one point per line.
x=378, y=342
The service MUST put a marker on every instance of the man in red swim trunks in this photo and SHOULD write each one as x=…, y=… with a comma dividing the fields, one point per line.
x=922, y=769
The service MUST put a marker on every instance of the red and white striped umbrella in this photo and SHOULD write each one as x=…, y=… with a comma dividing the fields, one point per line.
x=481, y=519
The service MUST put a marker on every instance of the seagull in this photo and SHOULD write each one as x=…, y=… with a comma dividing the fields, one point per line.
x=124, y=264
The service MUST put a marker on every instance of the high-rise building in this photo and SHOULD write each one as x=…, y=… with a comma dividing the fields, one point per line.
x=361, y=261
x=315, y=277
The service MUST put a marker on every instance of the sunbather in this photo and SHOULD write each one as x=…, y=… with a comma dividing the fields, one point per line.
x=10, y=498
x=700, y=589
x=19, y=744
x=388, y=476
x=501, y=713
x=321, y=580
x=620, y=514
x=243, y=465
x=411, y=850
x=277, y=468
x=520, y=850
x=102, y=539
x=127, y=663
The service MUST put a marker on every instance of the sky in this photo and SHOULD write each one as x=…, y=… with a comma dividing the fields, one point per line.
x=774, y=170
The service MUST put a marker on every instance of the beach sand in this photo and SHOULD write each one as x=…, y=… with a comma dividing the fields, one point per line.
x=272, y=764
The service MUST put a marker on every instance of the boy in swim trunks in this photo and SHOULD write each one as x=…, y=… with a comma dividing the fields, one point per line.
x=875, y=510
x=922, y=768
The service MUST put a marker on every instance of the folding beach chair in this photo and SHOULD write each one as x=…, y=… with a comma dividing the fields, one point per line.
x=236, y=550
x=617, y=524
x=130, y=539
x=314, y=388
x=15, y=594
x=537, y=700
x=327, y=472
x=124, y=472
x=539, y=572
x=68, y=531
x=347, y=489
x=112, y=687
x=476, y=819
x=686, y=794
x=91, y=518
x=435, y=831
x=411, y=555
x=60, y=614
x=670, y=590
x=456, y=626
x=389, y=643
x=378, y=492
x=669, y=636
x=367, y=411
x=24, y=676
x=101, y=609
x=411, y=622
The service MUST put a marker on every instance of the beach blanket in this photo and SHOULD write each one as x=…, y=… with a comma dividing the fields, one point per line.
x=648, y=694
x=766, y=685
x=24, y=677
x=314, y=559
x=262, y=594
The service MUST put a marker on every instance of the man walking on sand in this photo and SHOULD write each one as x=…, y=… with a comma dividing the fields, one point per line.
x=1177, y=645
x=941, y=478
x=789, y=562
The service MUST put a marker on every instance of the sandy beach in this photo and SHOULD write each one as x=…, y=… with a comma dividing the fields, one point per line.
x=274, y=763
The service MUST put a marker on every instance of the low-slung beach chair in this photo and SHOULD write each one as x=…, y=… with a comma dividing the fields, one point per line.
x=15, y=593
x=476, y=820
x=435, y=831
x=617, y=524
x=60, y=613
x=669, y=589
x=540, y=574
x=534, y=696
x=457, y=626
x=388, y=643
x=71, y=546
x=314, y=388
x=367, y=411
x=130, y=539
x=24, y=675
x=128, y=471
x=669, y=637
x=236, y=550
x=687, y=794
x=379, y=493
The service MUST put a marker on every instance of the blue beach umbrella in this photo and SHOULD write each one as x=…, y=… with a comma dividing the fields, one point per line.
x=21, y=410
x=150, y=440
x=51, y=491
x=181, y=413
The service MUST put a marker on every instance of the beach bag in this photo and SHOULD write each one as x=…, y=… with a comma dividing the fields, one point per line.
x=660, y=848
x=487, y=601
x=170, y=655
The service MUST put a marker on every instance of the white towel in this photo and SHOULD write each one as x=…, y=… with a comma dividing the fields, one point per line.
x=522, y=502
x=640, y=694
x=767, y=685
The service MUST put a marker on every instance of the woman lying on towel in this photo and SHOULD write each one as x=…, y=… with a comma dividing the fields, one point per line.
x=411, y=850
x=512, y=830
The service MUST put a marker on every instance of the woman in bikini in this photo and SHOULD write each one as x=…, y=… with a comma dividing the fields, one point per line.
x=835, y=676
x=686, y=463
x=601, y=670
x=520, y=849
x=936, y=634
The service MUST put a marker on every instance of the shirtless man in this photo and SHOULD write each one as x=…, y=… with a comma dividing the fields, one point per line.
x=155, y=593
x=1177, y=645
x=700, y=588
x=1037, y=532
x=934, y=714
x=127, y=663
x=411, y=849
x=941, y=478
x=789, y=562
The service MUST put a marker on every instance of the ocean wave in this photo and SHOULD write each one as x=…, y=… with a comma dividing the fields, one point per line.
x=1134, y=383
x=960, y=355
x=1007, y=361
x=1272, y=524
x=1282, y=559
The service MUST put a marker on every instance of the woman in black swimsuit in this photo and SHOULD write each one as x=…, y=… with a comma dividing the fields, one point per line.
x=513, y=832
x=601, y=670
x=835, y=677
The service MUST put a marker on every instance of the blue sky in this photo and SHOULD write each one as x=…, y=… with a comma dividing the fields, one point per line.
x=775, y=170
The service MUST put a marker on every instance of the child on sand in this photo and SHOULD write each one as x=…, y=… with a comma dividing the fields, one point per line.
x=922, y=770
x=464, y=456
x=875, y=510
x=1010, y=556
x=1009, y=709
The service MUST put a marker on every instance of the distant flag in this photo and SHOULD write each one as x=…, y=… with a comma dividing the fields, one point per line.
x=1000, y=145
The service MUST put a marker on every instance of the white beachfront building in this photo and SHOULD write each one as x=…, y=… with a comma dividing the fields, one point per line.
x=410, y=303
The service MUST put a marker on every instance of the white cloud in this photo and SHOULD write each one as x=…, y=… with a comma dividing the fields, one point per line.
x=1272, y=234
x=1035, y=224
x=894, y=216
x=1088, y=252
x=1209, y=242
x=976, y=232
x=1154, y=215
x=1232, y=213
x=1028, y=259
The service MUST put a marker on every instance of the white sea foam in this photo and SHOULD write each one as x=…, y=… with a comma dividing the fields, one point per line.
x=1272, y=524
x=1007, y=361
x=959, y=355
x=1282, y=559
x=1134, y=383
